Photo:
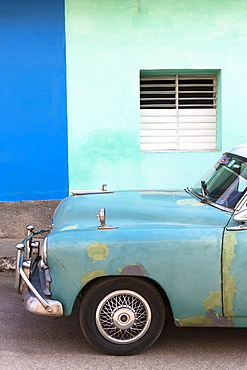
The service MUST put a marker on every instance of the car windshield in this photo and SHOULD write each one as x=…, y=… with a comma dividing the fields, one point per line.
x=225, y=182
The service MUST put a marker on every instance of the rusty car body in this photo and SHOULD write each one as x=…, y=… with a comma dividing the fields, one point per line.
x=184, y=247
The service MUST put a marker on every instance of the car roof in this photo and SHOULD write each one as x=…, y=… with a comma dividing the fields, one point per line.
x=240, y=150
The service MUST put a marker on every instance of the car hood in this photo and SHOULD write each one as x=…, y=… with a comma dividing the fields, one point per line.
x=136, y=208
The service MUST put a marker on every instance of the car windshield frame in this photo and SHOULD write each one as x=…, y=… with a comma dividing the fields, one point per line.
x=224, y=185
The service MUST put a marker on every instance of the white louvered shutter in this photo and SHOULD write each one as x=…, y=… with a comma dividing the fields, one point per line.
x=178, y=113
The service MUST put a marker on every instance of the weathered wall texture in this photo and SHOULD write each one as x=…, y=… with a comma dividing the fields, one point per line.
x=108, y=43
x=15, y=216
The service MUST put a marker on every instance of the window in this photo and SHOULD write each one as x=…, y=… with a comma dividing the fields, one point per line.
x=178, y=112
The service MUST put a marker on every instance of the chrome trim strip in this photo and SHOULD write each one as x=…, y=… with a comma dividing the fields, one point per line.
x=30, y=229
x=17, y=282
x=88, y=192
x=197, y=196
x=242, y=204
x=43, y=250
x=236, y=228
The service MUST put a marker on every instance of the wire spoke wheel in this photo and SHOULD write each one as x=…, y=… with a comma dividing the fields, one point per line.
x=123, y=316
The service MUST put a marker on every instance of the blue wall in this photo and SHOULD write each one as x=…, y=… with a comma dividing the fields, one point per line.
x=33, y=127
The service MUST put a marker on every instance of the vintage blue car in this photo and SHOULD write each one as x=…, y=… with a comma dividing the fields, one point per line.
x=183, y=248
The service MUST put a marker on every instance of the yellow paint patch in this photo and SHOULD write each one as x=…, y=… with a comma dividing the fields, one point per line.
x=190, y=202
x=97, y=251
x=72, y=227
x=196, y=320
x=229, y=281
x=214, y=299
x=88, y=276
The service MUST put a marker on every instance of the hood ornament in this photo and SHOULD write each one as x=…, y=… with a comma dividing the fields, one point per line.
x=102, y=219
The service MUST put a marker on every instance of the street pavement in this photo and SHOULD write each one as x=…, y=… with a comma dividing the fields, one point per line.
x=32, y=341
x=29, y=341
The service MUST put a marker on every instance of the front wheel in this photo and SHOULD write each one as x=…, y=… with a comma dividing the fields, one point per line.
x=122, y=316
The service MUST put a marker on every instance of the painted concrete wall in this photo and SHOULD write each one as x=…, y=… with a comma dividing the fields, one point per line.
x=33, y=128
x=108, y=43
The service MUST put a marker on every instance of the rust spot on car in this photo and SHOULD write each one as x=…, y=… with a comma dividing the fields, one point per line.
x=193, y=321
x=134, y=269
x=219, y=320
x=97, y=251
x=90, y=275
x=213, y=300
x=211, y=318
x=229, y=281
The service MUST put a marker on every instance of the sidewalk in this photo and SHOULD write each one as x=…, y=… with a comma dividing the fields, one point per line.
x=8, y=253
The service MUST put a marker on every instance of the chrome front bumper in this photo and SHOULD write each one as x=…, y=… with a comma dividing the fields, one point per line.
x=46, y=307
x=34, y=299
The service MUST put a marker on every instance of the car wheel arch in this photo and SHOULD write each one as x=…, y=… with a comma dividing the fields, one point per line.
x=145, y=278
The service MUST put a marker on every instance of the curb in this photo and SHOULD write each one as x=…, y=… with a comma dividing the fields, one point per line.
x=7, y=263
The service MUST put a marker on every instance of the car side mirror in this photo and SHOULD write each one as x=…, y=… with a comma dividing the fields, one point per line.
x=241, y=216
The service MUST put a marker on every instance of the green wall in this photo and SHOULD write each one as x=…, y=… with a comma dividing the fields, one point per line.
x=108, y=43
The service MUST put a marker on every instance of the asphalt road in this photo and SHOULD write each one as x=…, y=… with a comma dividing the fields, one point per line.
x=36, y=342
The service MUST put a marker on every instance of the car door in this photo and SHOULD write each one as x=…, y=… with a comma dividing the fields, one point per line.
x=234, y=269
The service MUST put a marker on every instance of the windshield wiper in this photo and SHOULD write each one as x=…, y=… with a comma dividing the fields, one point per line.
x=204, y=188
